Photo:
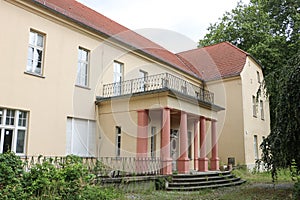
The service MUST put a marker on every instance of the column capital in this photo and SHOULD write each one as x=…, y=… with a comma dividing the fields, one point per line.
x=202, y=117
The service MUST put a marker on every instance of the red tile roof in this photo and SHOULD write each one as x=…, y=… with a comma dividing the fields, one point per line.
x=221, y=60
x=112, y=30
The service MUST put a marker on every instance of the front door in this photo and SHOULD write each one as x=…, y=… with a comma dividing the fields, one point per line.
x=174, y=150
x=7, y=140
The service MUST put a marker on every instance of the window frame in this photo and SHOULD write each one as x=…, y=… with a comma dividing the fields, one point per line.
x=254, y=106
x=255, y=145
x=189, y=137
x=82, y=79
x=32, y=69
x=118, y=81
x=15, y=128
x=118, y=144
x=72, y=126
x=258, y=76
x=262, y=110
x=153, y=142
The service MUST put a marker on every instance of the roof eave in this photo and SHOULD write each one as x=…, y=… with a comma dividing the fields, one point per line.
x=115, y=40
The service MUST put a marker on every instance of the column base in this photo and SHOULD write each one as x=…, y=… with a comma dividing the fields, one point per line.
x=214, y=164
x=167, y=166
x=203, y=164
x=183, y=166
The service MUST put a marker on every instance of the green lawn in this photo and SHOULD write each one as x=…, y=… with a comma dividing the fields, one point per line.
x=259, y=186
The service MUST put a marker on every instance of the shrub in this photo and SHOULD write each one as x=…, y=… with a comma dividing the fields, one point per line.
x=11, y=177
x=160, y=183
x=68, y=180
x=296, y=192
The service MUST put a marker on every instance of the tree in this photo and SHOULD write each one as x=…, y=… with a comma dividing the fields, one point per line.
x=282, y=147
x=270, y=31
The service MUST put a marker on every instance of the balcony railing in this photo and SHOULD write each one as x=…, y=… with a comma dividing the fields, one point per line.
x=156, y=82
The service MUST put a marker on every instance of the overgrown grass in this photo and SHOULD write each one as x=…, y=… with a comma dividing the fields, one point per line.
x=259, y=186
x=284, y=175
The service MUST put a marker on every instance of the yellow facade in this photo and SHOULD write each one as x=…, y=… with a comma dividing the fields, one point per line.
x=56, y=106
x=237, y=124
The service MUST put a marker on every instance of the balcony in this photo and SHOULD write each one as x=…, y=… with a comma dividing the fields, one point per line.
x=156, y=83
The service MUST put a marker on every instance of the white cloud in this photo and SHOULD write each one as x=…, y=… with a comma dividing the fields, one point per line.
x=188, y=17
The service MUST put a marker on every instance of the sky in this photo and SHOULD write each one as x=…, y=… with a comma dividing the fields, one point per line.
x=165, y=21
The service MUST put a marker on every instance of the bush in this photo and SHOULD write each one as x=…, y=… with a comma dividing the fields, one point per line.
x=11, y=169
x=296, y=192
x=160, y=183
x=68, y=180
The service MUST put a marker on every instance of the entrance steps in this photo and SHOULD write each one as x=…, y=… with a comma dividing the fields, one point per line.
x=203, y=180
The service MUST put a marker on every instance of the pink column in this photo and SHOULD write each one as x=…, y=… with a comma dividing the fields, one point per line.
x=165, y=142
x=142, y=140
x=203, y=160
x=214, y=161
x=196, y=144
x=183, y=161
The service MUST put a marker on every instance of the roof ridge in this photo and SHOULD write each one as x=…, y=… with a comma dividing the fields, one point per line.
x=234, y=46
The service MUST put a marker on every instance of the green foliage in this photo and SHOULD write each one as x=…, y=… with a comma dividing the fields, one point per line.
x=270, y=31
x=296, y=193
x=11, y=177
x=94, y=192
x=160, y=183
x=68, y=180
x=281, y=149
x=11, y=169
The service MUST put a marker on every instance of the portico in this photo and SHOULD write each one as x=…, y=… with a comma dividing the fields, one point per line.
x=170, y=119
x=184, y=164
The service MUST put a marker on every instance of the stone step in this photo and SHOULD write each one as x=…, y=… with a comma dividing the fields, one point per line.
x=202, y=174
x=212, y=182
x=206, y=186
x=201, y=178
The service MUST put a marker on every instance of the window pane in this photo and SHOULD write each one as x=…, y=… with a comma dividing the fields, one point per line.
x=40, y=40
x=255, y=147
x=79, y=54
x=30, y=59
x=262, y=110
x=35, y=53
x=84, y=55
x=20, y=141
x=10, y=117
x=82, y=68
x=22, y=118
x=118, y=141
x=32, y=37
